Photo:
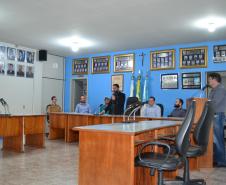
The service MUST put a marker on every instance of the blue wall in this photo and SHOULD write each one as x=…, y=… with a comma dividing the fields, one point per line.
x=99, y=85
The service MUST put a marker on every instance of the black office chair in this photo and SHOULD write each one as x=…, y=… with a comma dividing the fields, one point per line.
x=201, y=137
x=47, y=114
x=161, y=107
x=166, y=161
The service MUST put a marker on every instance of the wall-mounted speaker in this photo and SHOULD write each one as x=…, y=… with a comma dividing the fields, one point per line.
x=42, y=55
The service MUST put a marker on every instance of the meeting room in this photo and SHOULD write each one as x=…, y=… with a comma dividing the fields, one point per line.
x=112, y=92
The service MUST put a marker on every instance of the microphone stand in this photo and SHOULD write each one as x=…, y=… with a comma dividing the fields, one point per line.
x=124, y=114
x=134, y=113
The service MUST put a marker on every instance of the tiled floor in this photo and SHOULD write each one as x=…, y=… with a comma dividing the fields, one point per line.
x=58, y=165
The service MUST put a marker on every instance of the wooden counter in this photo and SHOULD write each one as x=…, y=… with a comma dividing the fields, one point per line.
x=107, y=152
x=22, y=129
x=61, y=124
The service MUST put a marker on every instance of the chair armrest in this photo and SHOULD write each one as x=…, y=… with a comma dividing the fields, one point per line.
x=155, y=143
x=168, y=138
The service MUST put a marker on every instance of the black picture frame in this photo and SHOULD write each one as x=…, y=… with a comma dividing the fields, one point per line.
x=101, y=64
x=169, y=81
x=191, y=80
x=219, y=53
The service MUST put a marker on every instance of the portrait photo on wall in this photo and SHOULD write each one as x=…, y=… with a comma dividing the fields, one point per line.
x=2, y=52
x=11, y=53
x=117, y=79
x=30, y=56
x=169, y=81
x=163, y=59
x=29, y=71
x=20, y=70
x=101, y=64
x=10, y=69
x=20, y=55
x=124, y=63
x=2, y=68
x=191, y=80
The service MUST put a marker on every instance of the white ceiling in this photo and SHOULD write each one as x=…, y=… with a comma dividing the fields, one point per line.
x=113, y=25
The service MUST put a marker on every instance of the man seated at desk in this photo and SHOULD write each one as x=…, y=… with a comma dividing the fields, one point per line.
x=178, y=110
x=83, y=107
x=151, y=109
x=53, y=107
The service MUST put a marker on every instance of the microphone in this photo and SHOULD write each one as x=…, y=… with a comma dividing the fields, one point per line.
x=206, y=86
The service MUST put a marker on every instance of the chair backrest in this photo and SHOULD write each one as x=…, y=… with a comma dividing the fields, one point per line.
x=131, y=100
x=202, y=130
x=161, y=107
x=182, y=137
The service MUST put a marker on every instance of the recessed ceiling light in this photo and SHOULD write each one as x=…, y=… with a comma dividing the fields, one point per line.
x=211, y=23
x=75, y=43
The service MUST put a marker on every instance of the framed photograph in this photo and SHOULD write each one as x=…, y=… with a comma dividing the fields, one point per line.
x=219, y=53
x=169, y=81
x=193, y=57
x=2, y=68
x=191, y=80
x=164, y=59
x=124, y=63
x=20, y=70
x=10, y=69
x=100, y=64
x=117, y=79
x=2, y=52
x=30, y=57
x=80, y=66
x=11, y=53
x=20, y=55
x=30, y=72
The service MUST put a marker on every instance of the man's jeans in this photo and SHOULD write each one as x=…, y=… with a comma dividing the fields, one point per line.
x=218, y=139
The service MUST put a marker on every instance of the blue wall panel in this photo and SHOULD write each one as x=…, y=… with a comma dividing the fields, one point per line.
x=99, y=85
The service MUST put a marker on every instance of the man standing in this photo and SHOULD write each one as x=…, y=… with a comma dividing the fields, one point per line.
x=218, y=97
x=83, y=107
x=151, y=109
x=178, y=110
x=119, y=100
x=53, y=107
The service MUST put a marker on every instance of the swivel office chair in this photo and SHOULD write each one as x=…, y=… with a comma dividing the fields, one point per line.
x=165, y=161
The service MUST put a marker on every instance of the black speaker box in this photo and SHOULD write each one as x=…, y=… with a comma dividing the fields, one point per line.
x=42, y=55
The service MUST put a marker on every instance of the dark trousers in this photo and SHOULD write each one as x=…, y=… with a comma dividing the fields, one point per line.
x=218, y=139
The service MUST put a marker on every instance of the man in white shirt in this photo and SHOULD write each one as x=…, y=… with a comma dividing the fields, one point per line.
x=151, y=109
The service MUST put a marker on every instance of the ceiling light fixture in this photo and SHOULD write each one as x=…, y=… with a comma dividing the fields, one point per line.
x=211, y=23
x=75, y=43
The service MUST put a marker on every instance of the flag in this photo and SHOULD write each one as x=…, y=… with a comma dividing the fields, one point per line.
x=145, y=90
x=138, y=88
x=132, y=86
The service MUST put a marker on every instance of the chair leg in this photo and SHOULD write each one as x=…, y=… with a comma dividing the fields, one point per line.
x=186, y=175
x=160, y=177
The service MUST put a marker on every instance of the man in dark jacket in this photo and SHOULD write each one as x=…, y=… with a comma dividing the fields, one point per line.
x=119, y=100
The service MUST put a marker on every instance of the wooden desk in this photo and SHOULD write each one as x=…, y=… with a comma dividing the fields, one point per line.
x=61, y=124
x=13, y=129
x=107, y=152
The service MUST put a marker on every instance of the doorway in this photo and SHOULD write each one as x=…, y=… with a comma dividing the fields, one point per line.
x=79, y=88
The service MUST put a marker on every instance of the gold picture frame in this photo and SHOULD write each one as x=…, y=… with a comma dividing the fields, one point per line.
x=118, y=79
x=124, y=63
x=101, y=64
x=80, y=66
x=162, y=60
x=196, y=57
